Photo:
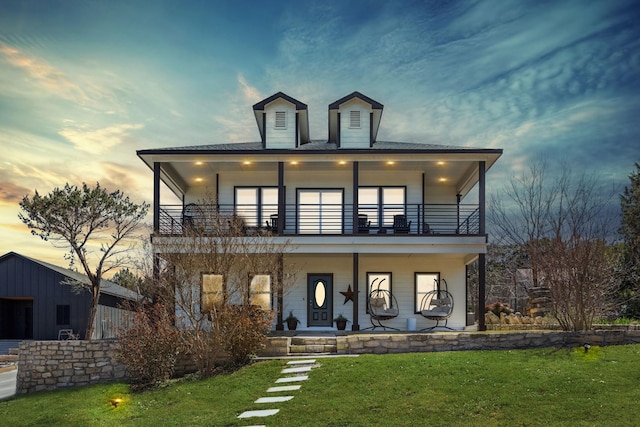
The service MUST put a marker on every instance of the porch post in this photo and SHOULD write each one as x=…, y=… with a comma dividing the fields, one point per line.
x=355, y=325
x=355, y=198
x=280, y=294
x=481, y=257
x=156, y=197
x=481, y=292
x=281, y=195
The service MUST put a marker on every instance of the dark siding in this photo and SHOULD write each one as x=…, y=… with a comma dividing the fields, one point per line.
x=23, y=278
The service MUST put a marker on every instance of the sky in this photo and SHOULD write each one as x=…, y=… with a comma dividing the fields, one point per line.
x=84, y=84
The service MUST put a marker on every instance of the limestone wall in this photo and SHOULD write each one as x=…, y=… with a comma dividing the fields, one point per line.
x=457, y=341
x=49, y=365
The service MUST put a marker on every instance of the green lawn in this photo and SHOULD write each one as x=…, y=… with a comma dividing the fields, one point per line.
x=513, y=388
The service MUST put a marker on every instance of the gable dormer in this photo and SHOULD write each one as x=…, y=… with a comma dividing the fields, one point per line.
x=283, y=121
x=354, y=121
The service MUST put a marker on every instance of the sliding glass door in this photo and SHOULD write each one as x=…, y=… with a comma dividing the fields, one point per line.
x=320, y=211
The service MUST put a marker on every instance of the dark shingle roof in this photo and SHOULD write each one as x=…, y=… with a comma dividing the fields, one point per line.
x=314, y=145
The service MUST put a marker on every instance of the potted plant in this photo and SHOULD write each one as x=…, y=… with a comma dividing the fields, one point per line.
x=341, y=322
x=292, y=321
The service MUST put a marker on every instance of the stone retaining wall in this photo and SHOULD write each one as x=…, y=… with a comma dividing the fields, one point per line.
x=458, y=341
x=49, y=365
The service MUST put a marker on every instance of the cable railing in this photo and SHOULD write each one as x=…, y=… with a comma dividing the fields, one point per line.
x=328, y=219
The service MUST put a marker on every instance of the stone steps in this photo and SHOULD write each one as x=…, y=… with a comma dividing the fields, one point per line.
x=313, y=345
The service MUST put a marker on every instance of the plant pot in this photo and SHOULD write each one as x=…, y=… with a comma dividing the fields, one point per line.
x=292, y=325
x=341, y=324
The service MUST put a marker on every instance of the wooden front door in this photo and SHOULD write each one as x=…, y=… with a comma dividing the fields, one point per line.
x=320, y=299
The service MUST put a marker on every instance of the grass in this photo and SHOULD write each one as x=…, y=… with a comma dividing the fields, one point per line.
x=543, y=387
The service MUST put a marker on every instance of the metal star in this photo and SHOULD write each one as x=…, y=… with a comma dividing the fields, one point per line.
x=349, y=295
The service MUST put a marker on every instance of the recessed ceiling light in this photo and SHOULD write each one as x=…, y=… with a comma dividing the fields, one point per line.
x=199, y=179
x=442, y=179
x=246, y=162
x=342, y=162
x=293, y=162
x=199, y=163
x=440, y=163
x=391, y=162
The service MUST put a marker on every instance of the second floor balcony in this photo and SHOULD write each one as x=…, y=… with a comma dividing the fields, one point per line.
x=308, y=219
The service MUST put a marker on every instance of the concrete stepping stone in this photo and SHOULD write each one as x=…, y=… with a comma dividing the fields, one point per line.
x=292, y=379
x=275, y=399
x=297, y=370
x=260, y=413
x=283, y=388
x=302, y=362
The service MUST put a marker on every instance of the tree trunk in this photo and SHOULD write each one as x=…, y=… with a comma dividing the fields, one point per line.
x=93, y=309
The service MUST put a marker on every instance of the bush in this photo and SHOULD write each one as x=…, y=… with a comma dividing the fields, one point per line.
x=242, y=330
x=497, y=308
x=149, y=347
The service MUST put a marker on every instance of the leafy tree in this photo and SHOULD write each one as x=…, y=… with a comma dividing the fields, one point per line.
x=127, y=279
x=83, y=219
x=630, y=230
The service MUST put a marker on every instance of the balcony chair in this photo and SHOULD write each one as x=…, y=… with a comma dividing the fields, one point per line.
x=272, y=225
x=382, y=306
x=400, y=224
x=437, y=305
x=363, y=224
x=191, y=216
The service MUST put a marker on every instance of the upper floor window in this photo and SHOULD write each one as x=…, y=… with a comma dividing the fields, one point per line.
x=255, y=205
x=354, y=119
x=380, y=204
x=281, y=119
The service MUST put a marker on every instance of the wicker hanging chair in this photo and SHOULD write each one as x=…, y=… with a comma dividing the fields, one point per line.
x=382, y=306
x=437, y=305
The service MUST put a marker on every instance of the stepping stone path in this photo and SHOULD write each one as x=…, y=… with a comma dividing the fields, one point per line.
x=295, y=367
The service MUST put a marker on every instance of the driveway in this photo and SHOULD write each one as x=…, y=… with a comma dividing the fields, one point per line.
x=8, y=378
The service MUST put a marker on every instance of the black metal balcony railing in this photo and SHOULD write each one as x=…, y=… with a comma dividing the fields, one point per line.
x=313, y=219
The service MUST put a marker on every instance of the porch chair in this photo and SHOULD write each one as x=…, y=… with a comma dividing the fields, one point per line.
x=190, y=217
x=382, y=306
x=400, y=224
x=437, y=305
x=272, y=225
x=363, y=224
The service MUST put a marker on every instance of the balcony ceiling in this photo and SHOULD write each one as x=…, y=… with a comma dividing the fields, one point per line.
x=459, y=173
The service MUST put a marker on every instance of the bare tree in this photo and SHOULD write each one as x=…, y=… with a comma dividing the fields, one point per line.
x=210, y=270
x=563, y=228
x=81, y=218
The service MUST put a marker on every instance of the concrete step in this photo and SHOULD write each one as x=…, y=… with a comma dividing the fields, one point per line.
x=313, y=341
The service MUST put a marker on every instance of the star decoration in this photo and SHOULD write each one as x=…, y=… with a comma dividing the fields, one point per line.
x=349, y=295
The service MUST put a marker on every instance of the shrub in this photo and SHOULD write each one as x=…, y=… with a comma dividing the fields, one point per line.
x=242, y=330
x=149, y=347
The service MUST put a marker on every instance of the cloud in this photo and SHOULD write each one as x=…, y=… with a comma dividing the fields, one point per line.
x=47, y=76
x=12, y=193
x=236, y=124
x=100, y=140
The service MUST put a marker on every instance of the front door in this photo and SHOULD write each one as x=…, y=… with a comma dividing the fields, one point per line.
x=320, y=298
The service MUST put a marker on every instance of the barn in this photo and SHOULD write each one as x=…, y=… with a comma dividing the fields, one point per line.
x=37, y=301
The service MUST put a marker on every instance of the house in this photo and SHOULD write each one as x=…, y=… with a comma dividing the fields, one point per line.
x=37, y=302
x=362, y=215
